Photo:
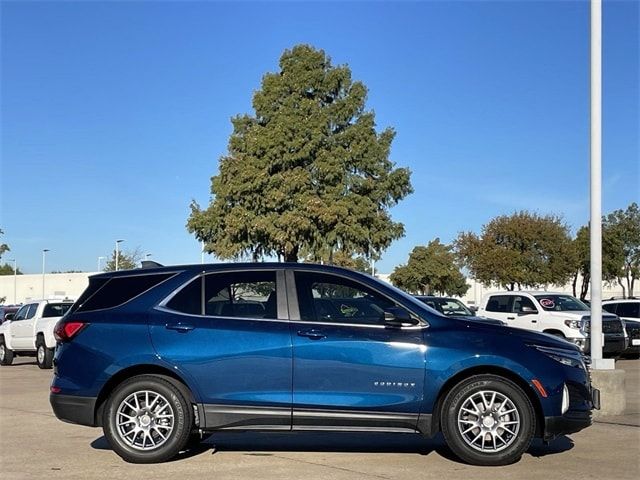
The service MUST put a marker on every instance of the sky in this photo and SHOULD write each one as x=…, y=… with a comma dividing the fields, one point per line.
x=114, y=114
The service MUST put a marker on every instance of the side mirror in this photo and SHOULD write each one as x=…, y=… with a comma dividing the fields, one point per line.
x=473, y=308
x=9, y=316
x=527, y=310
x=397, y=317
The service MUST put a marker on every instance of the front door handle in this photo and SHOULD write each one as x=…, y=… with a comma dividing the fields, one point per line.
x=312, y=334
x=180, y=327
x=511, y=318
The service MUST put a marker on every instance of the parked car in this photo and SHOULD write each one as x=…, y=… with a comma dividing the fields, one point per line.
x=7, y=310
x=454, y=308
x=628, y=309
x=30, y=331
x=554, y=313
x=158, y=356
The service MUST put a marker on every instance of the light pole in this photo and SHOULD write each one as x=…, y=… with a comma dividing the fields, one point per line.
x=596, y=188
x=15, y=281
x=147, y=255
x=201, y=251
x=118, y=242
x=44, y=259
x=100, y=263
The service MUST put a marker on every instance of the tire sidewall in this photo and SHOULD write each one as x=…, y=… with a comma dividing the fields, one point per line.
x=449, y=420
x=8, y=354
x=182, y=420
x=41, y=345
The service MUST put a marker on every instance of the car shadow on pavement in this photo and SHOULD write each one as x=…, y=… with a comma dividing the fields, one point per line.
x=268, y=444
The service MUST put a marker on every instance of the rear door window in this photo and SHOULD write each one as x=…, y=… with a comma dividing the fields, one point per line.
x=499, y=303
x=629, y=309
x=241, y=294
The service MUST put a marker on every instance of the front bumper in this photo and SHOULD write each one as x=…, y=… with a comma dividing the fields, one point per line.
x=570, y=422
x=615, y=344
x=74, y=409
x=573, y=420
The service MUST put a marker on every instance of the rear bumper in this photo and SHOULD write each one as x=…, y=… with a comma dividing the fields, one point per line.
x=73, y=409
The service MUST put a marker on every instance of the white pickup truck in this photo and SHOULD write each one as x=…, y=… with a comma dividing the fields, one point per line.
x=29, y=331
x=558, y=314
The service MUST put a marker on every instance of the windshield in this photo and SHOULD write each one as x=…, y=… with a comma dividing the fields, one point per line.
x=561, y=303
x=448, y=306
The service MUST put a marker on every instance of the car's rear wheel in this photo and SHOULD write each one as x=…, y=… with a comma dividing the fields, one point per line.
x=147, y=420
x=6, y=355
x=44, y=355
x=487, y=420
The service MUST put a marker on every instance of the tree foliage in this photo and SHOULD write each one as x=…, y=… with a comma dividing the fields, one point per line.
x=519, y=250
x=611, y=259
x=431, y=270
x=128, y=260
x=623, y=229
x=307, y=174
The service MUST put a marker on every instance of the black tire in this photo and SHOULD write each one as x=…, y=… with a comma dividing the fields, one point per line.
x=6, y=355
x=556, y=333
x=44, y=355
x=514, y=445
x=176, y=439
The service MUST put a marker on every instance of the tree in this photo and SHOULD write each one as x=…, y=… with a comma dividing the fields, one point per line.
x=357, y=263
x=520, y=250
x=305, y=175
x=431, y=269
x=127, y=260
x=623, y=226
x=6, y=269
x=611, y=258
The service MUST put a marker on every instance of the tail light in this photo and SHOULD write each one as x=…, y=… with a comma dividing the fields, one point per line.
x=65, y=331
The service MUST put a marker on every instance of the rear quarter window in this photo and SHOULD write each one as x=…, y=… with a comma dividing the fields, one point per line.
x=119, y=290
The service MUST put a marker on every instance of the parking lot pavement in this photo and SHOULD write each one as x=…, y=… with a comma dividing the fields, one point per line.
x=34, y=444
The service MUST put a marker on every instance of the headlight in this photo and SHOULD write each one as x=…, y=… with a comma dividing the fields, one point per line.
x=562, y=357
x=585, y=327
x=573, y=324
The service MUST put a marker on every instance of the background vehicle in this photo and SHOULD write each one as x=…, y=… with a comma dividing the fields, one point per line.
x=454, y=308
x=629, y=311
x=30, y=331
x=158, y=356
x=7, y=310
x=557, y=314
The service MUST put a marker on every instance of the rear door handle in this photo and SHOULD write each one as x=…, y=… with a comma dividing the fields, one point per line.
x=180, y=327
x=312, y=334
x=511, y=318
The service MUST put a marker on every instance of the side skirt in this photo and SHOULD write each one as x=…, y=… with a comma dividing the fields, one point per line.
x=236, y=417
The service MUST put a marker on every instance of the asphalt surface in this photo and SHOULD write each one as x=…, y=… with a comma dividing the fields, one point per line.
x=34, y=445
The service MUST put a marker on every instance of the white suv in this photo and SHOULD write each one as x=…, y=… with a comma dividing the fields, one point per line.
x=554, y=313
x=30, y=331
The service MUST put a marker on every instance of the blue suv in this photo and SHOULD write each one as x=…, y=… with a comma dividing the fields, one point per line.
x=157, y=357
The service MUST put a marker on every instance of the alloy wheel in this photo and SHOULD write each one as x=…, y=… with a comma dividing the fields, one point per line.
x=488, y=421
x=144, y=420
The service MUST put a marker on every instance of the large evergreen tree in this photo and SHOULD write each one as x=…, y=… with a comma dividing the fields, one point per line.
x=306, y=175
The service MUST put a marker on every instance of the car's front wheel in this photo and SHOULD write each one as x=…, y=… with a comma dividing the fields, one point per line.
x=487, y=420
x=6, y=355
x=147, y=420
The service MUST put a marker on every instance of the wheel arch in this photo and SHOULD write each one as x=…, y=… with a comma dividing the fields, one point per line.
x=488, y=370
x=129, y=372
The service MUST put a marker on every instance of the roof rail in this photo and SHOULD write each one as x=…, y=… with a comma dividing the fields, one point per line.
x=150, y=264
